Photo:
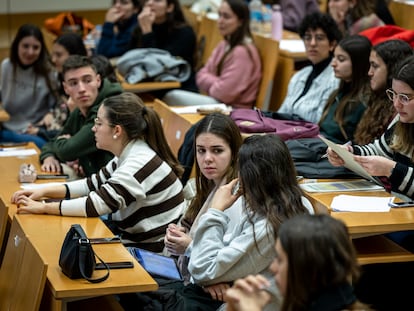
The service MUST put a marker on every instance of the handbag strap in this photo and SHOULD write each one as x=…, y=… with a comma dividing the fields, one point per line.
x=83, y=249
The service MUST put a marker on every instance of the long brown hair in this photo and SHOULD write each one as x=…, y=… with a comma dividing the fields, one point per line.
x=225, y=128
x=140, y=122
x=380, y=111
x=403, y=139
x=358, y=49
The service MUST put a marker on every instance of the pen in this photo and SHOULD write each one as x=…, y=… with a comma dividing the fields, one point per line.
x=348, y=143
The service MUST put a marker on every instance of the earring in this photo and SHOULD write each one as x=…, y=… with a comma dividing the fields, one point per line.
x=114, y=137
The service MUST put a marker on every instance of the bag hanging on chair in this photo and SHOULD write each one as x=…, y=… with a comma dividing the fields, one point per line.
x=68, y=22
x=77, y=257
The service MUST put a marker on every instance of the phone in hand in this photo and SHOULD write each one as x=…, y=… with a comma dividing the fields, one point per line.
x=401, y=204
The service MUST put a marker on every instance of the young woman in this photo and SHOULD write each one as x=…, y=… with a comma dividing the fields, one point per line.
x=384, y=60
x=139, y=188
x=354, y=16
x=64, y=46
x=161, y=25
x=232, y=73
x=310, y=88
x=314, y=265
x=391, y=155
x=120, y=22
x=222, y=251
x=216, y=145
x=28, y=91
x=346, y=105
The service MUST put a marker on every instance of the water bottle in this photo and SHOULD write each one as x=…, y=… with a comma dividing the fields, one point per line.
x=267, y=20
x=277, y=22
x=255, y=7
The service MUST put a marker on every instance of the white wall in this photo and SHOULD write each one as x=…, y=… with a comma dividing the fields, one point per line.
x=33, y=6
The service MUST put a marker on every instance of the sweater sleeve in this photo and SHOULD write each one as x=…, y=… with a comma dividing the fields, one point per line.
x=234, y=77
x=113, y=44
x=213, y=261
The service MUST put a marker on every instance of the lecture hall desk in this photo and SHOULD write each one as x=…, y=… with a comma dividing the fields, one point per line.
x=47, y=233
x=366, y=229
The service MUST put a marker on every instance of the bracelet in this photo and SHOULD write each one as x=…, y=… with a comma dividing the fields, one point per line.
x=60, y=207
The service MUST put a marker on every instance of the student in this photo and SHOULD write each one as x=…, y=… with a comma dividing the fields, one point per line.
x=347, y=104
x=354, y=16
x=216, y=146
x=28, y=91
x=139, y=187
x=391, y=155
x=232, y=73
x=313, y=268
x=76, y=141
x=64, y=46
x=384, y=59
x=221, y=252
x=120, y=22
x=161, y=25
x=310, y=88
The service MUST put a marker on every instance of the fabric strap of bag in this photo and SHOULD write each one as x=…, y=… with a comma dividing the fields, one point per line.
x=83, y=250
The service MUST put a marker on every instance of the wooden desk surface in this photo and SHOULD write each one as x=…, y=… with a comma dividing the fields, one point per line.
x=48, y=232
x=365, y=223
x=142, y=87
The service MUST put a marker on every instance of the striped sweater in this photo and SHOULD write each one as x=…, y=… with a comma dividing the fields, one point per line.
x=402, y=176
x=139, y=191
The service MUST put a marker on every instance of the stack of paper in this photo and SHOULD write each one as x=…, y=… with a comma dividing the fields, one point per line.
x=336, y=186
x=352, y=203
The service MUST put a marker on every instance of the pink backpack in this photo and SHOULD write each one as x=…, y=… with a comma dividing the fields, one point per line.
x=253, y=121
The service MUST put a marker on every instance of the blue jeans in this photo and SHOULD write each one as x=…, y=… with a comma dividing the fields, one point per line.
x=10, y=136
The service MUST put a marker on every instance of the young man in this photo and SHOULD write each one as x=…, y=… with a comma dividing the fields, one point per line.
x=76, y=142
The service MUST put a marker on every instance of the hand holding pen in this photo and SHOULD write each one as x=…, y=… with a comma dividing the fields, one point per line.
x=334, y=158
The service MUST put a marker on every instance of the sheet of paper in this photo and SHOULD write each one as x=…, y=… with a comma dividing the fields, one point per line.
x=193, y=109
x=15, y=152
x=292, y=45
x=353, y=203
x=337, y=186
x=350, y=163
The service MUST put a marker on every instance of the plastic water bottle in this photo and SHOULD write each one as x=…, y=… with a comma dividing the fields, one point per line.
x=277, y=22
x=267, y=20
x=255, y=7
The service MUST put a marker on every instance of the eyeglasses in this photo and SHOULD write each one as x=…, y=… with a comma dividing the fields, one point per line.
x=99, y=123
x=317, y=37
x=402, y=98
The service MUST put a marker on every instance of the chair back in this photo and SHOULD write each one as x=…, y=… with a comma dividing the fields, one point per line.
x=323, y=5
x=192, y=18
x=4, y=217
x=269, y=55
x=208, y=36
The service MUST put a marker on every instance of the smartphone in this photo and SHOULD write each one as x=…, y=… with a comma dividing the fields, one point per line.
x=235, y=188
x=115, y=239
x=401, y=204
x=52, y=176
x=115, y=265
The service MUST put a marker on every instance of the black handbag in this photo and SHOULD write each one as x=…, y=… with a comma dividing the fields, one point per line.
x=77, y=257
